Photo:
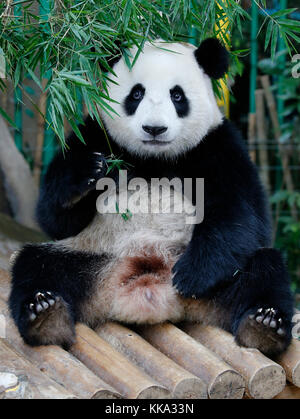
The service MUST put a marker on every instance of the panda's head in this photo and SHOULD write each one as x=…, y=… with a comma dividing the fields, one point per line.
x=166, y=103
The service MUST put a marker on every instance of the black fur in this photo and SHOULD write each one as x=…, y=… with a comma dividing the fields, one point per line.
x=132, y=101
x=236, y=225
x=51, y=268
x=180, y=101
x=72, y=174
x=263, y=283
x=213, y=57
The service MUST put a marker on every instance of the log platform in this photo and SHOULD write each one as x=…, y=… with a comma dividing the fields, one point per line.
x=187, y=361
x=163, y=361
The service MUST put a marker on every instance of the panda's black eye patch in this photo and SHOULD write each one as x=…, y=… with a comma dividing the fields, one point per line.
x=180, y=101
x=134, y=98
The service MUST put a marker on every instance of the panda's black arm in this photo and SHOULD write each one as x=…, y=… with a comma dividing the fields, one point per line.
x=236, y=220
x=67, y=201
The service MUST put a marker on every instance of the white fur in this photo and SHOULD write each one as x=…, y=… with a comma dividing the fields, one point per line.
x=110, y=233
x=159, y=71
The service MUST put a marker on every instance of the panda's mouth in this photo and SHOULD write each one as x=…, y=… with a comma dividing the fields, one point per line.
x=156, y=142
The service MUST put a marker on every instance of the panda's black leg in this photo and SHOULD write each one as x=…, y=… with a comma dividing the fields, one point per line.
x=49, y=283
x=262, y=304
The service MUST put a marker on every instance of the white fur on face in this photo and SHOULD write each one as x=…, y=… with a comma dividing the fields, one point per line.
x=159, y=71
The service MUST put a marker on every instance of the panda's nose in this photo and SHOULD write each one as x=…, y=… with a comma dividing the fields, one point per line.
x=155, y=131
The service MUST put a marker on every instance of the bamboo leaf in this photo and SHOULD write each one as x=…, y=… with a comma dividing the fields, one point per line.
x=8, y=119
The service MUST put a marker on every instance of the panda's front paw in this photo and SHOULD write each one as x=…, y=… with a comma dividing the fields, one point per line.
x=187, y=280
x=84, y=179
x=96, y=168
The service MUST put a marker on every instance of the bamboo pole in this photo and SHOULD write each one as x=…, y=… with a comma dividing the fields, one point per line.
x=42, y=104
x=181, y=383
x=264, y=378
x=252, y=87
x=49, y=135
x=222, y=381
x=18, y=97
x=251, y=136
x=262, y=138
x=114, y=368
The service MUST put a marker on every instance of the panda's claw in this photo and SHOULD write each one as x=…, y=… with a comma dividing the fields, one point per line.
x=268, y=317
x=91, y=181
x=41, y=303
x=281, y=332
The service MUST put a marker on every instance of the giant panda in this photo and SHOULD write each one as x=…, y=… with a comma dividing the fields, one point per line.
x=155, y=267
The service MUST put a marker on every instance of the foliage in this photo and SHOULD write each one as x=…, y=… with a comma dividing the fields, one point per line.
x=288, y=228
x=70, y=42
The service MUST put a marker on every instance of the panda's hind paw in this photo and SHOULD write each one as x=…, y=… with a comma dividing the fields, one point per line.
x=269, y=317
x=48, y=321
x=265, y=329
x=41, y=304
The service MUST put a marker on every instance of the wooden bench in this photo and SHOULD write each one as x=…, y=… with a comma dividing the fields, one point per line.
x=160, y=361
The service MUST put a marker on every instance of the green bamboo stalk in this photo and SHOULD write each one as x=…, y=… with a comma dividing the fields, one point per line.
x=281, y=47
x=253, y=56
x=193, y=33
x=18, y=135
x=49, y=136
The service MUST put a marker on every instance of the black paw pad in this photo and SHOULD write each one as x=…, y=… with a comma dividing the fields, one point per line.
x=269, y=317
x=42, y=302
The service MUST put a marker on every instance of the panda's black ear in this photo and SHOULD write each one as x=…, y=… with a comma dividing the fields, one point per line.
x=213, y=57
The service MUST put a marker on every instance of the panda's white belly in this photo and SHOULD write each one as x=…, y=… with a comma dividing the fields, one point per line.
x=111, y=233
x=138, y=280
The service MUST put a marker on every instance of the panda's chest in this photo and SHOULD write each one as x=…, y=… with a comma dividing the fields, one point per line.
x=149, y=220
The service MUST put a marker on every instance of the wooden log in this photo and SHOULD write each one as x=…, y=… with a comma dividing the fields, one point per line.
x=114, y=368
x=265, y=379
x=30, y=382
x=290, y=392
x=181, y=383
x=221, y=380
x=59, y=365
x=290, y=361
x=4, y=284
